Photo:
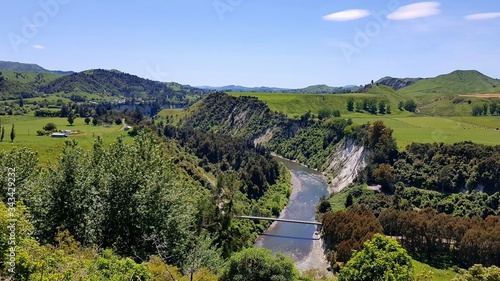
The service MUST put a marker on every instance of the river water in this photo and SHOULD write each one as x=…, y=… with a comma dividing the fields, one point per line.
x=292, y=239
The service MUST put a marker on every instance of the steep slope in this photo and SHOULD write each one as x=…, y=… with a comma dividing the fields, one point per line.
x=397, y=83
x=456, y=82
x=319, y=144
x=346, y=161
x=245, y=117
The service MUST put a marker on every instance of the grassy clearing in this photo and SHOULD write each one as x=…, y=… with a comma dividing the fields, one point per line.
x=408, y=127
x=338, y=200
x=177, y=114
x=49, y=148
x=426, y=129
x=422, y=269
x=298, y=104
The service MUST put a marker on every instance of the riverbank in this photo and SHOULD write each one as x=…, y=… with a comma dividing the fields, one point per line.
x=299, y=241
x=316, y=259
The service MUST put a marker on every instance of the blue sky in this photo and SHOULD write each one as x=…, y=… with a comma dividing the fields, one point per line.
x=283, y=43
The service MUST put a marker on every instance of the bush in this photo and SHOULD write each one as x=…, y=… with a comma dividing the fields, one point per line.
x=49, y=127
x=41, y=133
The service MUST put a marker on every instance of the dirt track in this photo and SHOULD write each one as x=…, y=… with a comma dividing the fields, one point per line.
x=484, y=96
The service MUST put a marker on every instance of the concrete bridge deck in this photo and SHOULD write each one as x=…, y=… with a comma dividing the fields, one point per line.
x=277, y=219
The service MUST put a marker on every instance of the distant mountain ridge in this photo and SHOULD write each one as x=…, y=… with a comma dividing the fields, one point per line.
x=237, y=88
x=29, y=67
x=456, y=82
x=313, y=89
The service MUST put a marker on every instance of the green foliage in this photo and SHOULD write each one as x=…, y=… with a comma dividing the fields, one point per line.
x=350, y=104
x=444, y=239
x=312, y=144
x=410, y=105
x=347, y=230
x=478, y=273
x=49, y=127
x=71, y=118
x=324, y=113
x=129, y=197
x=12, y=134
x=259, y=264
x=449, y=168
x=381, y=259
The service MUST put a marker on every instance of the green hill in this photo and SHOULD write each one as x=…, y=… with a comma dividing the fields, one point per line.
x=28, y=67
x=397, y=83
x=456, y=82
x=92, y=83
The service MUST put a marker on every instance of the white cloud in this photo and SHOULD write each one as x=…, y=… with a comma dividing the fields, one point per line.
x=40, y=47
x=414, y=11
x=483, y=16
x=346, y=15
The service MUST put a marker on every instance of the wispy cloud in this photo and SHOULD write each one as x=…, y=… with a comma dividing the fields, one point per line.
x=483, y=16
x=39, y=47
x=414, y=11
x=347, y=15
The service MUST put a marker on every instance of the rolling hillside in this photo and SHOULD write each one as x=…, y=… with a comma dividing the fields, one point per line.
x=456, y=82
x=91, y=83
x=29, y=67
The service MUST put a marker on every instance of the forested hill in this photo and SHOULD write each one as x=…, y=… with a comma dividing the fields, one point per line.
x=29, y=67
x=245, y=117
x=97, y=82
x=111, y=83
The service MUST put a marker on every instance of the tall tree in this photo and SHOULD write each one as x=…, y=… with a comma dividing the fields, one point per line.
x=350, y=104
x=71, y=118
x=381, y=259
x=259, y=264
x=12, y=133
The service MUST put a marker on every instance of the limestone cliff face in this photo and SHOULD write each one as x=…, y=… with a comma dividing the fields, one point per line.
x=345, y=162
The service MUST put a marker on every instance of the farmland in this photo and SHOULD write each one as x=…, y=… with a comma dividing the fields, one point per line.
x=408, y=127
x=48, y=148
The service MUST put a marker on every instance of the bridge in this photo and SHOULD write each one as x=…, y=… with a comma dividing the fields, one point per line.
x=277, y=219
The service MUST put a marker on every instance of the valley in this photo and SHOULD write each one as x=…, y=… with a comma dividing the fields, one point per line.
x=380, y=153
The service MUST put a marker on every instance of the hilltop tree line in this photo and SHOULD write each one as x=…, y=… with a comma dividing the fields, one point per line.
x=484, y=109
x=372, y=106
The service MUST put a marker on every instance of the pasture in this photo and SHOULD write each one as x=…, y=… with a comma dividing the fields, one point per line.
x=428, y=129
x=298, y=104
x=408, y=127
x=49, y=149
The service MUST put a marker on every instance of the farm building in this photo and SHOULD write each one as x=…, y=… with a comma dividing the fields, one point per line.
x=66, y=132
x=58, y=135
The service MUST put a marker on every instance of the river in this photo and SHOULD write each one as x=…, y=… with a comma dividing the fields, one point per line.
x=297, y=240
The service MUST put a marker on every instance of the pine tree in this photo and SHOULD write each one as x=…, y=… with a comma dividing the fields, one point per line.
x=12, y=134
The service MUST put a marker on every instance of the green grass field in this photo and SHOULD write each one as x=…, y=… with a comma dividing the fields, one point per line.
x=422, y=269
x=408, y=127
x=427, y=129
x=175, y=114
x=49, y=148
x=298, y=104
